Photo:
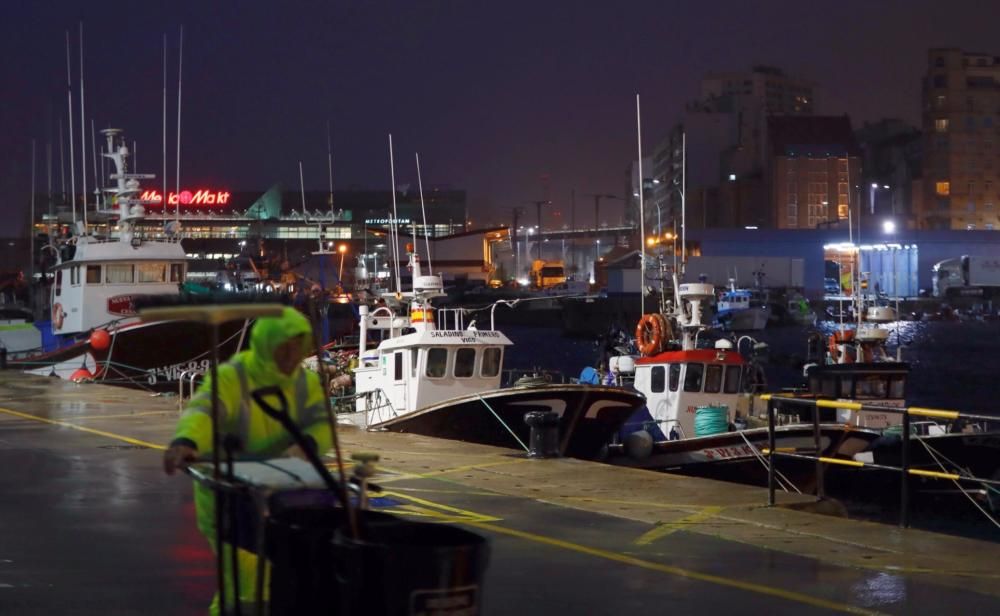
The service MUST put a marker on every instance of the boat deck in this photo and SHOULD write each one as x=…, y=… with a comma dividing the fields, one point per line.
x=92, y=526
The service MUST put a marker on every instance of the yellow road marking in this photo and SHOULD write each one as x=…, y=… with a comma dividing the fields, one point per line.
x=126, y=415
x=459, y=515
x=65, y=424
x=678, y=571
x=457, y=469
x=662, y=530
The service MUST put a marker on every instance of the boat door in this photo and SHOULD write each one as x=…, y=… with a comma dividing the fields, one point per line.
x=394, y=372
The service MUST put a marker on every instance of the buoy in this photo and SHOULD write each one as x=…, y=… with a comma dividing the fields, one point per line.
x=81, y=374
x=639, y=445
x=100, y=340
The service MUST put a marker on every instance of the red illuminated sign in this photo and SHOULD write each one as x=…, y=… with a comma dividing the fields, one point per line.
x=187, y=197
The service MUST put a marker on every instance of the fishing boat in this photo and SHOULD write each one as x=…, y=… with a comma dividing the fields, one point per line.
x=855, y=364
x=699, y=408
x=741, y=309
x=94, y=333
x=434, y=374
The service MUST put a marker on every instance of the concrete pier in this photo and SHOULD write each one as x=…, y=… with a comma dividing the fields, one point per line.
x=92, y=526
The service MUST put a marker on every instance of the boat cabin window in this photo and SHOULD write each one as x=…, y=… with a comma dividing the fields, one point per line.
x=119, y=274
x=74, y=276
x=846, y=388
x=733, y=379
x=491, y=362
x=152, y=272
x=872, y=387
x=93, y=274
x=713, y=379
x=176, y=272
x=897, y=387
x=398, y=366
x=414, y=357
x=59, y=283
x=675, y=376
x=437, y=362
x=692, y=378
x=465, y=363
x=657, y=379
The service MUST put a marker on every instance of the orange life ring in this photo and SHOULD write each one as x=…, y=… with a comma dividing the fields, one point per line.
x=838, y=338
x=57, y=316
x=649, y=334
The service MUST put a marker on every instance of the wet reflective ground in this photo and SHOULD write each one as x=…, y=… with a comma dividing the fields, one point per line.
x=91, y=526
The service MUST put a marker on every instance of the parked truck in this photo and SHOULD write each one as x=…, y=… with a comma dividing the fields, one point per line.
x=967, y=276
x=545, y=274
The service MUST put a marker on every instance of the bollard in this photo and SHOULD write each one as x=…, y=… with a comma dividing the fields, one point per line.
x=544, y=440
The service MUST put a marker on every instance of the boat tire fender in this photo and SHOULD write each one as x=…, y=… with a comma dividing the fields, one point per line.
x=639, y=445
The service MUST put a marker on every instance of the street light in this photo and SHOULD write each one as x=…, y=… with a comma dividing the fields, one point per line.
x=342, y=249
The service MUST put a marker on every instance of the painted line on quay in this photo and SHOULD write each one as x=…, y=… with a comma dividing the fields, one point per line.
x=72, y=426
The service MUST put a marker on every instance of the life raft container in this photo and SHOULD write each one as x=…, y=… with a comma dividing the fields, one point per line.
x=651, y=333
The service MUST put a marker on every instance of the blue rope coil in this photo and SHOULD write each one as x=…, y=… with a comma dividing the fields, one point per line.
x=709, y=420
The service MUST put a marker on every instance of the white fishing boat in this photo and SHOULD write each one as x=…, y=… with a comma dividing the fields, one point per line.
x=97, y=283
x=698, y=404
x=434, y=374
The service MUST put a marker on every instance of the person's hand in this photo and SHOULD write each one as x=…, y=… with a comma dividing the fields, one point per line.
x=295, y=452
x=178, y=457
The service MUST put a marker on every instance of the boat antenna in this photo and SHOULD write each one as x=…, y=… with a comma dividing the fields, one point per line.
x=329, y=168
x=31, y=237
x=93, y=157
x=177, y=179
x=83, y=137
x=642, y=217
x=62, y=162
x=423, y=213
x=302, y=192
x=394, y=230
x=48, y=166
x=684, y=243
x=72, y=168
x=164, y=199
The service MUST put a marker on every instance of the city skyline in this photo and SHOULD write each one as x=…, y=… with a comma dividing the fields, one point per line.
x=513, y=103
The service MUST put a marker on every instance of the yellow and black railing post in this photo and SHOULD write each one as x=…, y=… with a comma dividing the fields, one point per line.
x=771, y=412
x=904, y=475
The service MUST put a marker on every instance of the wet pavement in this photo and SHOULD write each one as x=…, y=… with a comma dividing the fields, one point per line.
x=92, y=526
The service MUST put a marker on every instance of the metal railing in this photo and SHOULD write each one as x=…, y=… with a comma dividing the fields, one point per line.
x=905, y=470
x=190, y=375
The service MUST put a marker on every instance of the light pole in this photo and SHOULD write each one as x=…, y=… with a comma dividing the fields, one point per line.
x=871, y=195
x=889, y=227
x=342, y=249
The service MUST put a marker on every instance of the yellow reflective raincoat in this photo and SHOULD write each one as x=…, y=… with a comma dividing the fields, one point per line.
x=239, y=415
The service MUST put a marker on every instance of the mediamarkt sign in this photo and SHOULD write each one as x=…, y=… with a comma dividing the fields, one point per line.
x=187, y=197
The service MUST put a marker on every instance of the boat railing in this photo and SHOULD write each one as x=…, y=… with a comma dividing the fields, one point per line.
x=377, y=401
x=451, y=319
x=956, y=418
x=189, y=376
x=511, y=376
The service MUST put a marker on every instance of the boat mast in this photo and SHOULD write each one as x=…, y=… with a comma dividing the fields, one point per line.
x=180, y=83
x=83, y=137
x=423, y=214
x=393, y=228
x=642, y=214
x=72, y=168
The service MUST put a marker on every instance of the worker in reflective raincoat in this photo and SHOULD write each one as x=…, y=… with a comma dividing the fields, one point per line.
x=277, y=347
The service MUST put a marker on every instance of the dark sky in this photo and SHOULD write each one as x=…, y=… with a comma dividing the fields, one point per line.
x=494, y=95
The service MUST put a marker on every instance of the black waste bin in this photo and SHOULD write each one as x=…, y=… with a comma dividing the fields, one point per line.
x=402, y=567
x=303, y=572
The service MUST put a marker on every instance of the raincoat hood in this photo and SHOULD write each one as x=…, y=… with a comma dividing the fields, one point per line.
x=267, y=334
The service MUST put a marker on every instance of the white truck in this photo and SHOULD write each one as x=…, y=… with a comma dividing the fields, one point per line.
x=967, y=276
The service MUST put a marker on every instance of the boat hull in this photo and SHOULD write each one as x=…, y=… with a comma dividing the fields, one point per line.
x=588, y=416
x=734, y=456
x=150, y=356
